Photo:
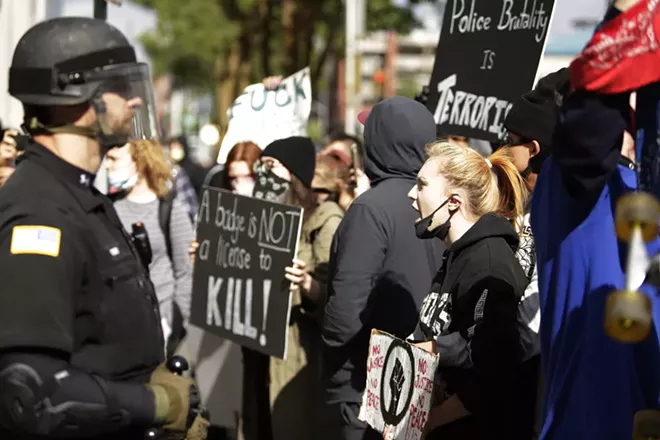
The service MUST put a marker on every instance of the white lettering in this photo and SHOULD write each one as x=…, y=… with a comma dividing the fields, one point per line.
x=461, y=108
x=212, y=308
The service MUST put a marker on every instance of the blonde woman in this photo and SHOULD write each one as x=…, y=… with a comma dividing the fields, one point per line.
x=142, y=178
x=473, y=204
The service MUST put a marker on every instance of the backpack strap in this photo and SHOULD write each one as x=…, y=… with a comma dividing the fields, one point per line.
x=164, y=219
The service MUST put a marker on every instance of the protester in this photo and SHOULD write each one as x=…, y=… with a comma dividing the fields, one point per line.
x=349, y=150
x=593, y=384
x=530, y=125
x=223, y=392
x=238, y=174
x=181, y=156
x=331, y=181
x=284, y=174
x=472, y=205
x=345, y=147
x=8, y=147
x=185, y=192
x=141, y=174
x=5, y=172
x=379, y=270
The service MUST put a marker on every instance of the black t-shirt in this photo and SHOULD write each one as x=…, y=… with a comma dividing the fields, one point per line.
x=69, y=275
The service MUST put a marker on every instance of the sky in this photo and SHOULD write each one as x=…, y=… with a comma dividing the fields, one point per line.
x=564, y=37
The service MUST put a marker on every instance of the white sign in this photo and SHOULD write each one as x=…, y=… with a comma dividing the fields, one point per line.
x=263, y=116
x=399, y=386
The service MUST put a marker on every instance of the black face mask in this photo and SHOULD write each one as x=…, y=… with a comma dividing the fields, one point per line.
x=422, y=227
x=269, y=186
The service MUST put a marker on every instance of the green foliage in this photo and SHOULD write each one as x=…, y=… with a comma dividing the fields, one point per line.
x=407, y=86
x=193, y=38
x=188, y=38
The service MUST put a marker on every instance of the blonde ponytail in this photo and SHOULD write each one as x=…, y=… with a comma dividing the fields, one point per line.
x=513, y=191
x=490, y=185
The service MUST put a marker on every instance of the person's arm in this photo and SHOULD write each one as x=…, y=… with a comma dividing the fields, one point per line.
x=41, y=269
x=587, y=142
x=494, y=349
x=588, y=138
x=359, y=248
x=185, y=193
x=59, y=401
x=182, y=234
x=321, y=247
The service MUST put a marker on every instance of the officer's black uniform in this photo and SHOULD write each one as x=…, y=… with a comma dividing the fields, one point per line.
x=74, y=290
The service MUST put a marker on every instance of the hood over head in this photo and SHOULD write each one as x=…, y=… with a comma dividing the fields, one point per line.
x=395, y=134
x=489, y=225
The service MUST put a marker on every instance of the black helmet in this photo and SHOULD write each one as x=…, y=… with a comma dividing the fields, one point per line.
x=73, y=60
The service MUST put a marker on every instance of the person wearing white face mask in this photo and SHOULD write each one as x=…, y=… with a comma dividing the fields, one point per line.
x=140, y=180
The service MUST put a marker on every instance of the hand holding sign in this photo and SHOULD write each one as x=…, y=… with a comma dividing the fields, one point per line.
x=399, y=388
x=245, y=244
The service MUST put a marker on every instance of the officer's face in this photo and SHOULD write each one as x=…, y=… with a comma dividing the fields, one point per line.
x=120, y=112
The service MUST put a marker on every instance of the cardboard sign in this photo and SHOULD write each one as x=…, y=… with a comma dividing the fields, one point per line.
x=263, y=116
x=239, y=289
x=487, y=56
x=399, y=386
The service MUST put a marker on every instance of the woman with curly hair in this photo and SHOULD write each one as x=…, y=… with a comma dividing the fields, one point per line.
x=142, y=179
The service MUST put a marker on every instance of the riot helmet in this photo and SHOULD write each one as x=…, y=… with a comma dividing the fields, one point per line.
x=71, y=61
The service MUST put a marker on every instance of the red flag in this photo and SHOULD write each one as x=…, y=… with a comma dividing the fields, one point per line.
x=624, y=54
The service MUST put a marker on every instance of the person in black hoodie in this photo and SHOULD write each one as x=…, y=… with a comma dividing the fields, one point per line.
x=378, y=270
x=470, y=316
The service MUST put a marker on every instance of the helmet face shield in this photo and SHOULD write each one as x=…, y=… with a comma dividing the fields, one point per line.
x=128, y=101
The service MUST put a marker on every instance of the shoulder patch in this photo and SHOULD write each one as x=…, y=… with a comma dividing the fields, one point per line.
x=38, y=240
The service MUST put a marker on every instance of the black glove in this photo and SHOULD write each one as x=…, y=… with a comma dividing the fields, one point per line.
x=423, y=96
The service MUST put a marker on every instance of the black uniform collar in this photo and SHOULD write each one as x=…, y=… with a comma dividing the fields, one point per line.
x=77, y=179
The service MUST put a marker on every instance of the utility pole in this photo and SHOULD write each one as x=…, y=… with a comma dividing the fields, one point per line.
x=101, y=9
x=355, y=27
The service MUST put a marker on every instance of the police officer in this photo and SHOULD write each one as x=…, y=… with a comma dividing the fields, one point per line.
x=80, y=335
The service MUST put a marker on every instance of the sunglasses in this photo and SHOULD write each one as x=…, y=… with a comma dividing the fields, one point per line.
x=509, y=141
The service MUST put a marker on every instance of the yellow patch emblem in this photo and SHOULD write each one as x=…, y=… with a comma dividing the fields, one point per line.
x=38, y=240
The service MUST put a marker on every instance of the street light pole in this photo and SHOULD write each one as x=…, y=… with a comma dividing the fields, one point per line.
x=349, y=66
x=101, y=9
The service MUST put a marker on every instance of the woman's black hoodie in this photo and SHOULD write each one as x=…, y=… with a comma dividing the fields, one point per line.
x=471, y=313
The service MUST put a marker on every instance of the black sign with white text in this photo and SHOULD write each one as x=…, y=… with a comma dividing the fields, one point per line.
x=239, y=289
x=487, y=56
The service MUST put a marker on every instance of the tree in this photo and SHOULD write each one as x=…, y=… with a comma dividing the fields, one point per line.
x=224, y=45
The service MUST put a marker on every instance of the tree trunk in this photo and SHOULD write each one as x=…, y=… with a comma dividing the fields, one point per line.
x=245, y=63
x=266, y=11
x=227, y=66
x=289, y=45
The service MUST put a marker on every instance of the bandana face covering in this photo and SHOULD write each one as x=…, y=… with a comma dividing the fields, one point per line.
x=269, y=186
x=422, y=227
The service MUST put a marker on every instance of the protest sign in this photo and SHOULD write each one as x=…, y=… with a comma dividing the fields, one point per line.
x=239, y=289
x=263, y=116
x=399, y=387
x=487, y=56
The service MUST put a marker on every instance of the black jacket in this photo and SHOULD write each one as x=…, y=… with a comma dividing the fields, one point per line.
x=379, y=271
x=471, y=313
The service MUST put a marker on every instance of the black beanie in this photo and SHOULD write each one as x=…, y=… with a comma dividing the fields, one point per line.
x=297, y=154
x=534, y=115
